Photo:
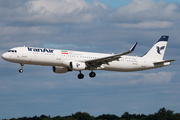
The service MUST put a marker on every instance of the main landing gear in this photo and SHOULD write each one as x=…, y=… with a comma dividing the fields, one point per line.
x=91, y=74
x=21, y=70
x=80, y=76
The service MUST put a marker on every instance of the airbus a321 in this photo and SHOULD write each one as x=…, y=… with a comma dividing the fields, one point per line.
x=63, y=61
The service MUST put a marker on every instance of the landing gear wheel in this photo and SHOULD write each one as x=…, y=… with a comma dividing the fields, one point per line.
x=92, y=74
x=80, y=76
x=21, y=70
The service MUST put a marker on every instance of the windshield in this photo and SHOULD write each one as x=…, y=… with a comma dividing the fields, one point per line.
x=12, y=51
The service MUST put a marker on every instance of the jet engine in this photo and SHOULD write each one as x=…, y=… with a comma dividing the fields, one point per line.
x=77, y=66
x=59, y=69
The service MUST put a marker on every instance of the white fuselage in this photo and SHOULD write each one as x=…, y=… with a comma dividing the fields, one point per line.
x=54, y=57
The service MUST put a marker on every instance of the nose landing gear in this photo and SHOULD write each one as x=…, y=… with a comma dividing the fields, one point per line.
x=21, y=70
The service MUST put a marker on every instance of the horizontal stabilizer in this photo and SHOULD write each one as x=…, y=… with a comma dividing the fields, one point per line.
x=164, y=61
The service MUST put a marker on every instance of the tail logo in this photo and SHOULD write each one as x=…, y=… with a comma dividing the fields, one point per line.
x=159, y=49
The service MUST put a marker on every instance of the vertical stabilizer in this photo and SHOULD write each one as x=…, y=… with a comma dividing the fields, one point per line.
x=158, y=50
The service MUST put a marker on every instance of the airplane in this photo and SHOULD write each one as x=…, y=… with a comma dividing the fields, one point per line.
x=63, y=61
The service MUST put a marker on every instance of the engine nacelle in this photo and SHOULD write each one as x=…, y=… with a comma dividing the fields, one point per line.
x=77, y=66
x=59, y=69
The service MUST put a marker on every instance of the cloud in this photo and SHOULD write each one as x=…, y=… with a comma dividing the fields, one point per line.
x=45, y=12
x=36, y=22
x=15, y=30
x=112, y=79
x=59, y=11
x=146, y=25
x=97, y=3
x=159, y=78
x=135, y=78
x=146, y=14
x=56, y=6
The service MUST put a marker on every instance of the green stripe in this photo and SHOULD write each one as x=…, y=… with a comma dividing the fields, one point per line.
x=63, y=51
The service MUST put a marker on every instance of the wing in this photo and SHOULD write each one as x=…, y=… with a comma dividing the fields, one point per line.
x=105, y=60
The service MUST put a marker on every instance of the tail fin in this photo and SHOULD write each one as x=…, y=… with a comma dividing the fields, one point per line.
x=158, y=50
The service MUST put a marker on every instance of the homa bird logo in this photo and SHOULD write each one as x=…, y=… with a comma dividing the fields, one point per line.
x=159, y=49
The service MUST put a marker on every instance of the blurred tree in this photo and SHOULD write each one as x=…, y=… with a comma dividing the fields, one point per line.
x=162, y=114
x=107, y=117
x=82, y=116
x=126, y=116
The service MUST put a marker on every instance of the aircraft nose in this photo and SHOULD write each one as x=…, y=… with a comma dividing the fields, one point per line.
x=4, y=56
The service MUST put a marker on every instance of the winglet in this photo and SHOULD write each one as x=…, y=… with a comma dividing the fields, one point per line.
x=133, y=47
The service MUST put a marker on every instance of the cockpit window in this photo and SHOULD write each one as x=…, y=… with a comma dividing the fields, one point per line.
x=12, y=51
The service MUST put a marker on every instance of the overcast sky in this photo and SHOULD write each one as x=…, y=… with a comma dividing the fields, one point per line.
x=94, y=26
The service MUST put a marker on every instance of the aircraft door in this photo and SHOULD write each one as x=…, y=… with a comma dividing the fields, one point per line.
x=143, y=62
x=24, y=51
x=58, y=55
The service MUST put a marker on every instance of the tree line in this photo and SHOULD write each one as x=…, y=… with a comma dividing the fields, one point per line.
x=162, y=114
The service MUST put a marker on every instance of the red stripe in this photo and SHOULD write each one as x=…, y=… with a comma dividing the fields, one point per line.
x=64, y=53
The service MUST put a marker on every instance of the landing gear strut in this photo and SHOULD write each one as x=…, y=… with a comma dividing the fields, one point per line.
x=80, y=75
x=21, y=70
